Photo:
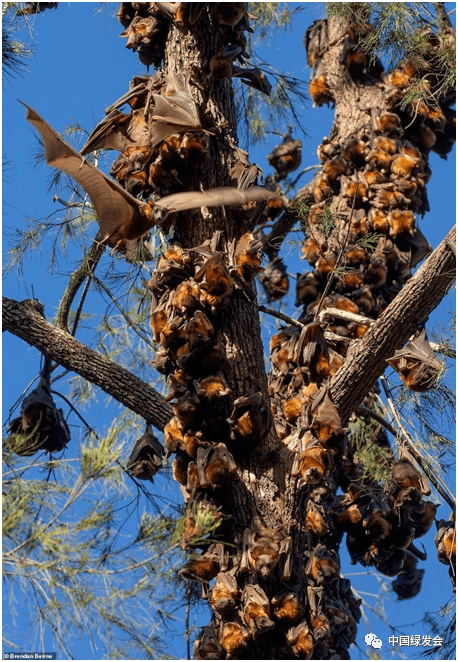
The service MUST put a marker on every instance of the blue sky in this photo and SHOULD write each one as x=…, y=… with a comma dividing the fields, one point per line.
x=80, y=66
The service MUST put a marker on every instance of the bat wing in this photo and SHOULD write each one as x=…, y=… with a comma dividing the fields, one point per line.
x=175, y=110
x=178, y=93
x=133, y=97
x=110, y=133
x=226, y=196
x=254, y=78
x=420, y=248
x=113, y=205
x=169, y=118
x=419, y=349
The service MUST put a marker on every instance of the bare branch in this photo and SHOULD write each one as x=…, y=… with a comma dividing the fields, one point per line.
x=366, y=359
x=24, y=319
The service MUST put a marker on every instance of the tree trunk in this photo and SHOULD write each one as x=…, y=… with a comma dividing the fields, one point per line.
x=273, y=451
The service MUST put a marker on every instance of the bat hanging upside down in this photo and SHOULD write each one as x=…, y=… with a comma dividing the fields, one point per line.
x=121, y=216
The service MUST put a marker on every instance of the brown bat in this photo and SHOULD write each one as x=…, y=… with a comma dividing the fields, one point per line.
x=223, y=595
x=207, y=646
x=118, y=131
x=301, y=641
x=274, y=280
x=256, y=610
x=233, y=636
x=416, y=363
x=445, y=540
x=204, y=568
x=315, y=41
x=146, y=457
x=243, y=173
x=262, y=550
x=288, y=606
x=323, y=565
x=287, y=156
x=230, y=13
x=325, y=416
x=120, y=215
x=215, y=466
x=40, y=426
x=405, y=475
x=408, y=585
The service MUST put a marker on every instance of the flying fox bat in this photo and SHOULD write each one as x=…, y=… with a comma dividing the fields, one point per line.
x=417, y=365
x=288, y=606
x=300, y=639
x=40, y=426
x=256, y=610
x=118, y=131
x=146, y=457
x=207, y=646
x=121, y=216
x=325, y=416
x=172, y=111
x=223, y=596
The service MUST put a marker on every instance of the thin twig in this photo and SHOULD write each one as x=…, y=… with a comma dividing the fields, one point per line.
x=438, y=483
x=130, y=322
x=365, y=411
x=281, y=316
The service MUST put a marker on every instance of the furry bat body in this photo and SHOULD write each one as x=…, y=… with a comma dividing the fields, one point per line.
x=146, y=457
x=417, y=365
x=40, y=426
x=256, y=610
x=120, y=215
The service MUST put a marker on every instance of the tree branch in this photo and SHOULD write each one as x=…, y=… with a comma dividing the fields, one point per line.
x=25, y=320
x=366, y=359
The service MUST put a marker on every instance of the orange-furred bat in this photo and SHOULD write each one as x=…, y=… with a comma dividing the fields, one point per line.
x=146, y=457
x=201, y=518
x=204, y=568
x=288, y=606
x=301, y=641
x=233, y=636
x=417, y=365
x=120, y=215
x=215, y=466
x=224, y=593
x=262, y=550
x=256, y=610
x=207, y=646
x=325, y=416
x=323, y=565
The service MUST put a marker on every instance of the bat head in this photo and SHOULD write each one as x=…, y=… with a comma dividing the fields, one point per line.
x=159, y=213
x=265, y=564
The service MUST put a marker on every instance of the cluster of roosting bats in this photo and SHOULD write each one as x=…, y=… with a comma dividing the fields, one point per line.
x=375, y=182
x=378, y=181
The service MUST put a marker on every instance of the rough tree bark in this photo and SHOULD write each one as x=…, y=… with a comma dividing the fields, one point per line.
x=277, y=477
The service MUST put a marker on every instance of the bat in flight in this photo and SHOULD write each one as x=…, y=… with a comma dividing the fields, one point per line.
x=121, y=216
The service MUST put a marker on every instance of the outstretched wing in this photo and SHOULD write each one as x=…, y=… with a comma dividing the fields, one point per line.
x=110, y=133
x=114, y=206
x=225, y=196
